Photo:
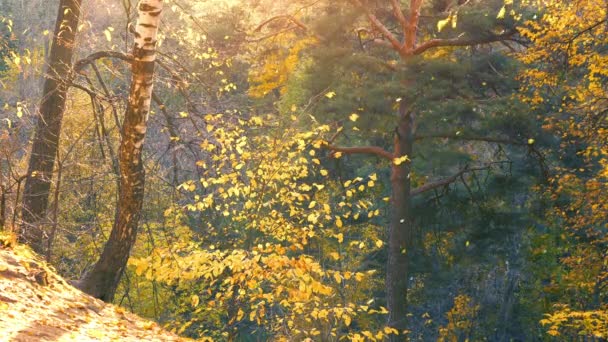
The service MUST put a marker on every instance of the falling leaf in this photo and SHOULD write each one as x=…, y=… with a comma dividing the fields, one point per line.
x=501, y=13
x=330, y=94
x=442, y=23
x=108, y=35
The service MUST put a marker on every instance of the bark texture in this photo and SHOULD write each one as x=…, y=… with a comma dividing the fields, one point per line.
x=102, y=281
x=48, y=129
x=399, y=232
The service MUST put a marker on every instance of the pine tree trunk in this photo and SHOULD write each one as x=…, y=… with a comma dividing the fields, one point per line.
x=48, y=129
x=102, y=281
x=400, y=226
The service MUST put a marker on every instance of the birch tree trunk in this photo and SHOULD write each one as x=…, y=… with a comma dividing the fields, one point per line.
x=102, y=281
x=48, y=129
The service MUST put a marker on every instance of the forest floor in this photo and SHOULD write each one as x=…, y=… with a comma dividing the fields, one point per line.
x=36, y=304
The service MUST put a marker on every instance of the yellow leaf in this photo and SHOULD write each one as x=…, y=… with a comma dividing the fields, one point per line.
x=353, y=117
x=312, y=204
x=347, y=320
x=340, y=237
x=194, y=300
x=442, y=23
x=337, y=278
x=330, y=94
x=400, y=160
x=501, y=13
x=108, y=35
x=334, y=255
x=339, y=223
x=323, y=172
x=379, y=243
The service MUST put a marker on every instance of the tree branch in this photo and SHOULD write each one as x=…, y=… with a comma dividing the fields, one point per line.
x=433, y=43
x=471, y=138
x=412, y=26
x=278, y=17
x=374, y=150
x=399, y=14
x=446, y=181
x=377, y=24
x=82, y=63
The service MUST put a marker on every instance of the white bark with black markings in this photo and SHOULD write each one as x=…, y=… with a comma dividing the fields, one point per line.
x=103, y=279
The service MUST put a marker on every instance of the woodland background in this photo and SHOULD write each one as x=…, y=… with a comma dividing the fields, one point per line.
x=359, y=170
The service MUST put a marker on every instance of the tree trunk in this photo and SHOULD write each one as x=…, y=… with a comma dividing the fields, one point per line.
x=2, y=208
x=400, y=225
x=48, y=129
x=102, y=281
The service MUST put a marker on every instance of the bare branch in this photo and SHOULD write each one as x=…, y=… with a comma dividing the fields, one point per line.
x=377, y=24
x=81, y=64
x=279, y=17
x=374, y=150
x=446, y=181
x=471, y=138
x=399, y=14
x=433, y=43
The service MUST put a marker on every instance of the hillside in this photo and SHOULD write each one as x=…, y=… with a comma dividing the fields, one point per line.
x=36, y=304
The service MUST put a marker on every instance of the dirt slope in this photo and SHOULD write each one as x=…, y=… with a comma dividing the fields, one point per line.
x=38, y=305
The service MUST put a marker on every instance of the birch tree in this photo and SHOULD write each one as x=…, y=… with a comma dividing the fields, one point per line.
x=103, y=279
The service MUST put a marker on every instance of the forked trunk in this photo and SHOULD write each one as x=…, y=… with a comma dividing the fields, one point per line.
x=400, y=226
x=103, y=279
x=48, y=129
